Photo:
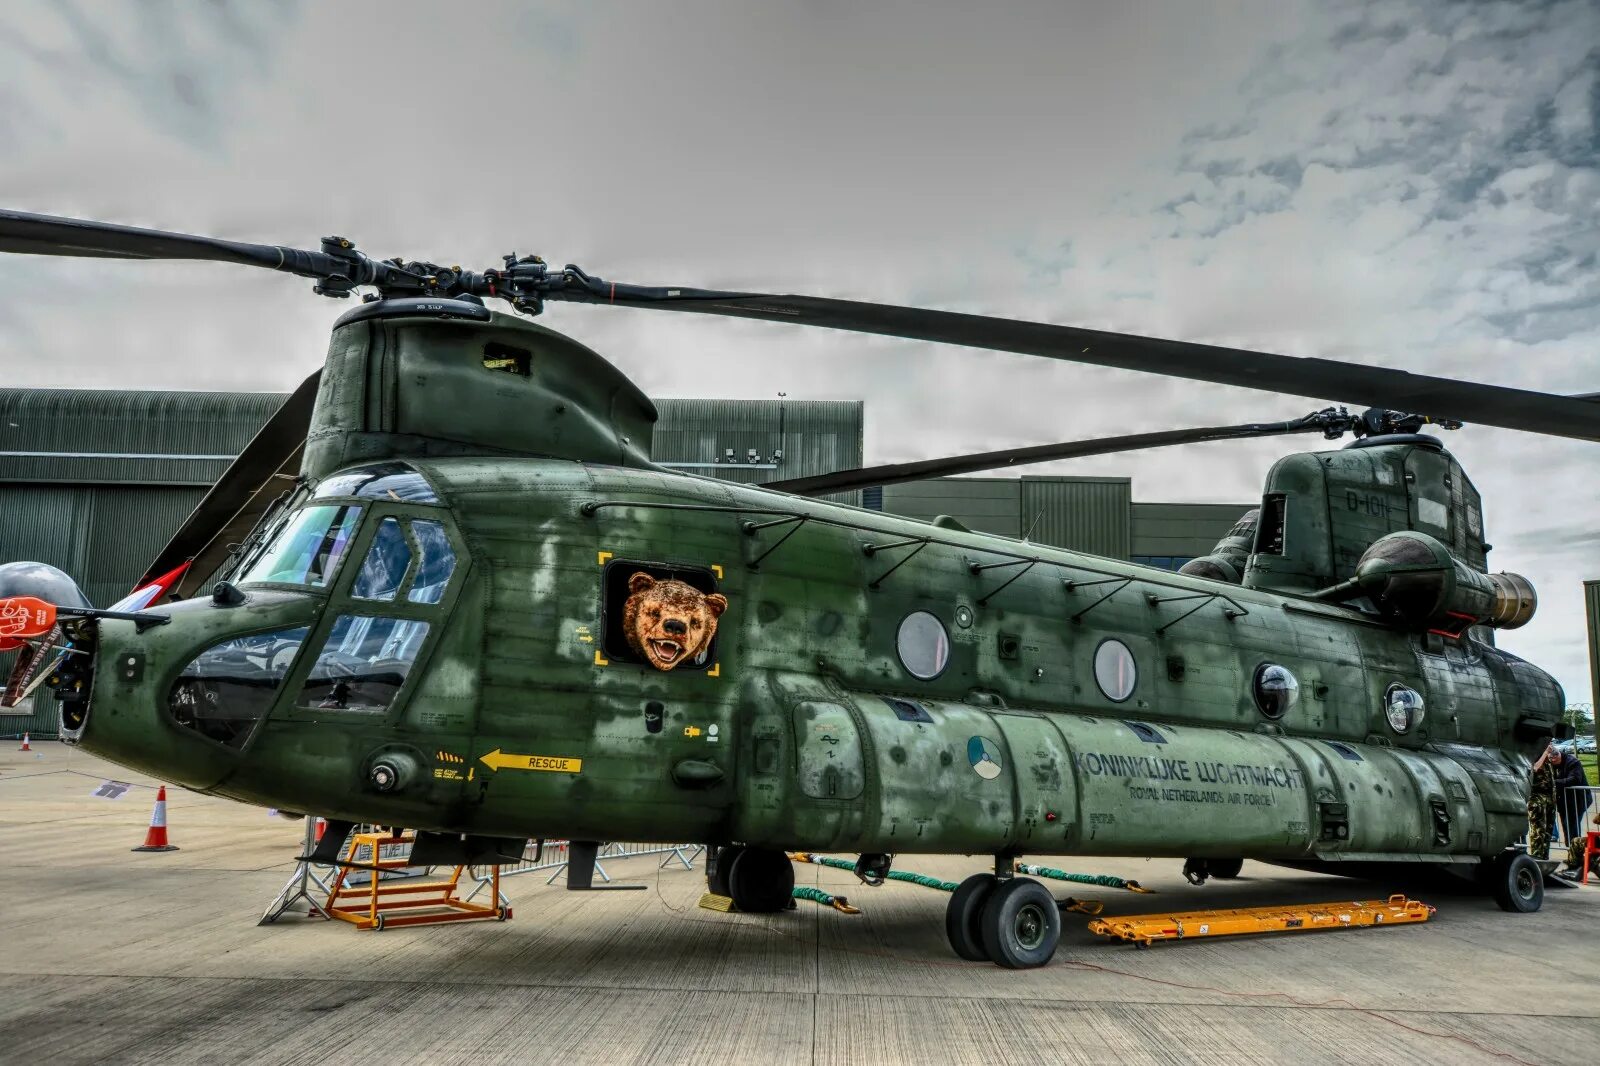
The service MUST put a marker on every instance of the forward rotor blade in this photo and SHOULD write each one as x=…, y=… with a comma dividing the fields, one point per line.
x=243, y=492
x=50, y=235
x=1326, y=379
x=897, y=473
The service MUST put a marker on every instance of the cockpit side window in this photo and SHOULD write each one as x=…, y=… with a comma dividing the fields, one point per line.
x=230, y=686
x=384, y=569
x=363, y=664
x=308, y=548
x=438, y=561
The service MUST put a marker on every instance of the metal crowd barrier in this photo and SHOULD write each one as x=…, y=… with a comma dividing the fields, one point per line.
x=557, y=854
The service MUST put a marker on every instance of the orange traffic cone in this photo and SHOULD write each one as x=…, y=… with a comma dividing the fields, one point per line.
x=156, y=838
x=25, y=745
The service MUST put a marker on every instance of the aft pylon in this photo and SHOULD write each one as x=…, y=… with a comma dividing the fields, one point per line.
x=25, y=745
x=156, y=838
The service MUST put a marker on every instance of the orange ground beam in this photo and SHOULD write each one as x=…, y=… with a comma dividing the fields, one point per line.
x=1146, y=929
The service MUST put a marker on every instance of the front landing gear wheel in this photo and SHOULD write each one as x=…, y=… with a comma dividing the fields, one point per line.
x=1021, y=924
x=717, y=869
x=1515, y=882
x=963, y=916
x=761, y=881
x=1226, y=869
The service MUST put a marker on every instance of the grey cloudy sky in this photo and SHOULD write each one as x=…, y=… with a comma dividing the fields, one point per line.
x=1411, y=182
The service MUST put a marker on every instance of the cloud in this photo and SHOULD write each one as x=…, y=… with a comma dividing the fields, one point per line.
x=1411, y=183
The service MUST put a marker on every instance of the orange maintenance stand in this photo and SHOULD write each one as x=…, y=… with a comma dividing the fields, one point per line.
x=1145, y=929
x=381, y=904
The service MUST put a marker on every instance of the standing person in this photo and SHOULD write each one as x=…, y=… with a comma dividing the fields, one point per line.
x=1572, y=802
x=1541, y=804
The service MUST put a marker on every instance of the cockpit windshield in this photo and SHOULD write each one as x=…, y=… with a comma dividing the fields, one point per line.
x=307, y=548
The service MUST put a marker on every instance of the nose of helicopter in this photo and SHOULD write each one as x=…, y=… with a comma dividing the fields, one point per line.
x=180, y=700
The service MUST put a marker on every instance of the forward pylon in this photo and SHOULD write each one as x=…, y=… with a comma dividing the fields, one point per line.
x=156, y=838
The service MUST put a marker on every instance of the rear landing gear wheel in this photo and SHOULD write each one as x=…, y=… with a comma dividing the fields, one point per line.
x=1515, y=882
x=963, y=916
x=1021, y=924
x=761, y=881
x=1227, y=869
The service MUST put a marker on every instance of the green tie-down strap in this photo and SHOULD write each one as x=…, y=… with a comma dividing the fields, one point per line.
x=894, y=875
x=1103, y=880
x=816, y=895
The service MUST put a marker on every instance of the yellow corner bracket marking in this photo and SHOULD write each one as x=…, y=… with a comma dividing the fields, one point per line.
x=498, y=760
x=715, y=569
x=715, y=671
x=600, y=660
x=601, y=557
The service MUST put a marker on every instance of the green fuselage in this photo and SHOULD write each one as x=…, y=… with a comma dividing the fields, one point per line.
x=523, y=714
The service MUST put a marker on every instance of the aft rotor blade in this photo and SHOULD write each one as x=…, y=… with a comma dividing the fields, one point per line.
x=51, y=235
x=1327, y=379
x=897, y=473
x=241, y=495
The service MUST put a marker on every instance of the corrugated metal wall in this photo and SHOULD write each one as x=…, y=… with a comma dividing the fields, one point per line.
x=1082, y=513
x=813, y=437
x=93, y=433
x=103, y=535
x=988, y=505
x=1181, y=530
x=1088, y=514
x=38, y=716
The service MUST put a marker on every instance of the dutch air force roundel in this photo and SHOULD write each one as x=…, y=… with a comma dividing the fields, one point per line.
x=984, y=755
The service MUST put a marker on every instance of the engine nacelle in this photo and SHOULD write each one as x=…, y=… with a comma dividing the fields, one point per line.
x=1417, y=581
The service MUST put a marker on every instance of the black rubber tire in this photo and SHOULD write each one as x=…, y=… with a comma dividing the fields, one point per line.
x=1227, y=869
x=1021, y=924
x=1516, y=883
x=964, y=914
x=717, y=883
x=761, y=881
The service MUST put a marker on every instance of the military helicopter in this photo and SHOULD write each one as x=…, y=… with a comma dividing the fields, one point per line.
x=454, y=593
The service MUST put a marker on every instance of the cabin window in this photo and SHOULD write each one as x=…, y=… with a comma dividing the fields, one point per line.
x=306, y=549
x=1403, y=707
x=230, y=686
x=363, y=664
x=1275, y=690
x=1114, y=670
x=385, y=566
x=923, y=644
x=438, y=562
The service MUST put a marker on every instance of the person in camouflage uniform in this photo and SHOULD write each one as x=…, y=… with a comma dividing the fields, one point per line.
x=1541, y=805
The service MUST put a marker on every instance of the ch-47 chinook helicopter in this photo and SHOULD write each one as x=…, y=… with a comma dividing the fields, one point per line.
x=458, y=595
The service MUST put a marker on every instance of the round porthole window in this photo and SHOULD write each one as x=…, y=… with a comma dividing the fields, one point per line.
x=1403, y=707
x=923, y=645
x=1114, y=670
x=1275, y=690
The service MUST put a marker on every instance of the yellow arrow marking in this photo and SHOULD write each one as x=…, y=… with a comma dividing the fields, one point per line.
x=499, y=760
